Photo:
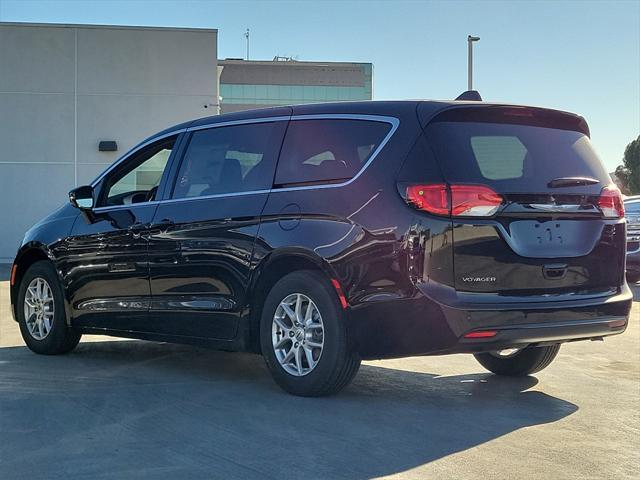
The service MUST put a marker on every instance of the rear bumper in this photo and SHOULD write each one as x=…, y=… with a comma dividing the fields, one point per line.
x=544, y=333
x=425, y=325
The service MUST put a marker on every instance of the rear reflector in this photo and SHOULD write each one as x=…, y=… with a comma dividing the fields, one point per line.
x=341, y=297
x=481, y=334
x=617, y=323
x=610, y=202
x=454, y=200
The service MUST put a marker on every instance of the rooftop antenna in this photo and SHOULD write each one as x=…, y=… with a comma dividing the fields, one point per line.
x=246, y=35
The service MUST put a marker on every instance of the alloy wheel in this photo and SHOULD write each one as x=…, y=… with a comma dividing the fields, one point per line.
x=39, y=308
x=297, y=334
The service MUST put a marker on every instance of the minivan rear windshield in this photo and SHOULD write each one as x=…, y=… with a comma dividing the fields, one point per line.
x=514, y=158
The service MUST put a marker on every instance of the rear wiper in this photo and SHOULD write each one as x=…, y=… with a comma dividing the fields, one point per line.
x=571, y=182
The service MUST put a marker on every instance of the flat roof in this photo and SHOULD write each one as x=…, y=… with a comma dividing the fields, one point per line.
x=239, y=61
x=112, y=27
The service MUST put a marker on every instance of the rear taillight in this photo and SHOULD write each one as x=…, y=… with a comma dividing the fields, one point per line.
x=610, y=202
x=454, y=200
x=474, y=201
x=430, y=198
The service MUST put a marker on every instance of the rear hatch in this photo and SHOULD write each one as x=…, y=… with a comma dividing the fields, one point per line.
x=533, y=209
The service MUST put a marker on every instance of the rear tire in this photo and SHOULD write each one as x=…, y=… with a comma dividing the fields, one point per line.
x=331, y=366
x=50, y=334
x=525, y=362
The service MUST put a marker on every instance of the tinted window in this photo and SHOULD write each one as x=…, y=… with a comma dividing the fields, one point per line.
x=231, y=159
x=316, y=151
x=513, y=158
x=138, y=179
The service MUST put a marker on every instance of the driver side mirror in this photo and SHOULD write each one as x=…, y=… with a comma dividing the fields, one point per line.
x=82, y=197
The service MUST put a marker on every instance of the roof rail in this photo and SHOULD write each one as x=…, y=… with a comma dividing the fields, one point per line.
x=472, y=95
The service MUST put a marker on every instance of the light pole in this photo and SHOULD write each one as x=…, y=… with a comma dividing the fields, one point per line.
x=246, y=35
x=470, y=41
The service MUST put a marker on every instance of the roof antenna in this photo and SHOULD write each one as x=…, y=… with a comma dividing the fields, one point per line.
x=470, y=94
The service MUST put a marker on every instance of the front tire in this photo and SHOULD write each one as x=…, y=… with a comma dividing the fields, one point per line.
x=303, y=336
x=524, y=362
x=40, y=310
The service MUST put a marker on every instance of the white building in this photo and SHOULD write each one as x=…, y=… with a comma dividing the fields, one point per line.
x=66, y=88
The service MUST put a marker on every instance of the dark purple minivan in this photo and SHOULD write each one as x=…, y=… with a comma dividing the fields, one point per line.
x=320, y=235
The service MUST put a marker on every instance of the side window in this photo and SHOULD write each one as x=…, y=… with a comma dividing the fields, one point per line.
x=332, y=150
x=138, y=178
x=238, y=158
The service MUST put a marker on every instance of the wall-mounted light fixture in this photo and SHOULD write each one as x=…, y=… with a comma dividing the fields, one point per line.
x=108, y=146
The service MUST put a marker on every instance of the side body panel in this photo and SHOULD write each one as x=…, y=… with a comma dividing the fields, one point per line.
x=106, y=269
x=200, y=265
x=201, y=247
x=365, y=236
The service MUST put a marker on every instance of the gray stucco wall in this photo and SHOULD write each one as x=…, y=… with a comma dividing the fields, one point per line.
x=65, y=88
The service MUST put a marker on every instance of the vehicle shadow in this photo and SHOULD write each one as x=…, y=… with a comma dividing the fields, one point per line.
x=130, y=409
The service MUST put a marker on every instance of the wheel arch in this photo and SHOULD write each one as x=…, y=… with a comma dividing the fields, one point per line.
x=29, y=254
x=272, y=268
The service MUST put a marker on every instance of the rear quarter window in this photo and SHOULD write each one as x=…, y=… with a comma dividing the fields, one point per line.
x=327, y=150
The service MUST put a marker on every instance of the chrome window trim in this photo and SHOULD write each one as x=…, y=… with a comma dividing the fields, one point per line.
x=125, y=207
x=174, y=200
x=233, y=123
x=393, y=121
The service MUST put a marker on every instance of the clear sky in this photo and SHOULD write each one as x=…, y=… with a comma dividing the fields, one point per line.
x=578, y=56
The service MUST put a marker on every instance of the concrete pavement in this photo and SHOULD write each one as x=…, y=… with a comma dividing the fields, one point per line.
x=129, y=409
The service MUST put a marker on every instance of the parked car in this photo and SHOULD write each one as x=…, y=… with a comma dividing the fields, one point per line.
x=632, y=209
x=321, y=235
